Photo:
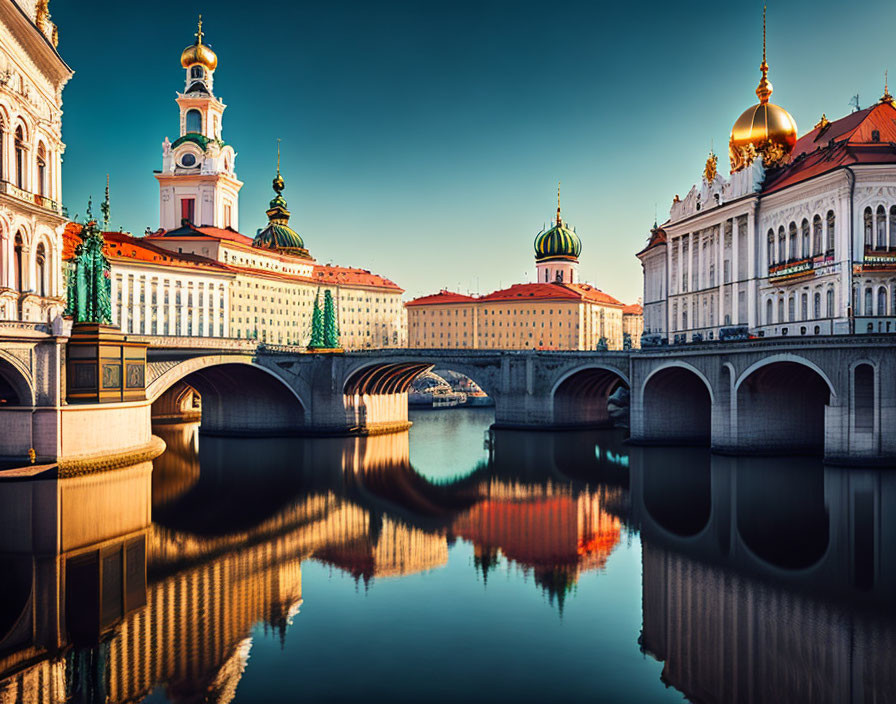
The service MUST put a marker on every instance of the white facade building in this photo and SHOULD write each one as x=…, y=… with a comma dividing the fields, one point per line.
x=32, y=76
x=799, y=240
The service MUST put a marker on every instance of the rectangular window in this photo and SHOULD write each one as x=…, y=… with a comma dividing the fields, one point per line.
x=188, y=209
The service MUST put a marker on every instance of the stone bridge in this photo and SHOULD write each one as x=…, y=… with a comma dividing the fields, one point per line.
x=831, y=395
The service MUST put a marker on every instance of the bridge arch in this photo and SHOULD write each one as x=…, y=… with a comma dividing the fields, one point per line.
x=781, y=402
x=581, y=396
x=238, y=396
x=676, y=402
x=15, y=384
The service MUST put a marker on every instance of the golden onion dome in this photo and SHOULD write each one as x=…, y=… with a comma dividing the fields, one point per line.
x=764, y=128
x=199, y=53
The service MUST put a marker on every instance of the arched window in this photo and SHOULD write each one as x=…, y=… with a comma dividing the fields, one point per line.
x=868, y=310
x=892, y=226
x=804, y=227
x=684, y=316
x=197, y=72
x=20, y=157
x=794, y=244
x=769, y=310
x=19, y=272
x=771, y=247
x=829, y=234
x=817, y=236
x=804, y=307
x=869, y=228
x=42, y=169
x=782, y=245
x=40, y=261
x=816, y=309
x=791, y=308
x=781, y=309
x=2, y=148
x=830, y=303
x=882, y=301
x=194, y=121
x=881, y=227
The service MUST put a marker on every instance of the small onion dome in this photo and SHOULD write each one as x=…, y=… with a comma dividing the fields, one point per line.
x=199, y=53
x=278, y=235
x=559, y=242
x=764, y=128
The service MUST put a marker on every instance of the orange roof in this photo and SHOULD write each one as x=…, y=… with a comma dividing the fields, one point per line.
x=442, y=296
x=189, y=231
x=552, y=291
x=120, y=245
x=346, y=276
x=657, y=237
x=841, y=143
x=633, y=309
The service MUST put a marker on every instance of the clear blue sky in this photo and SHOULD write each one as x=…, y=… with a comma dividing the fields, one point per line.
x=424, y=140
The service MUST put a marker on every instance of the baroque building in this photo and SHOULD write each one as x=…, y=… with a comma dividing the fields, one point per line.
x=32, y=76
x=199, y=276
x=555, y=313
x=800, y=239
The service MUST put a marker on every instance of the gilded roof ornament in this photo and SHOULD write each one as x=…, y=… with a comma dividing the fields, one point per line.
x=823, y=122
x=199, y=53
x=886, y=97
x=711, y=170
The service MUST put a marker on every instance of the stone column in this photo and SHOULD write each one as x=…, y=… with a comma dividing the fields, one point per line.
x=172, y=293
x=147, y=305
x=213, y=313
x=116, y=309
x=194, y=315
x=124, y=311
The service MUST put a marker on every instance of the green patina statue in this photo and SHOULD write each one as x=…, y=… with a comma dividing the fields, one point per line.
x=89, y=284
x=317, y=326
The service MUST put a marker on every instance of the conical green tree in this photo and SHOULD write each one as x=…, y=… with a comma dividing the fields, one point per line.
x=331, y=324
x=317, y=326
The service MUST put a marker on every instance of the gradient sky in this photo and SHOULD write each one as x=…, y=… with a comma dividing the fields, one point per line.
x=424, y=140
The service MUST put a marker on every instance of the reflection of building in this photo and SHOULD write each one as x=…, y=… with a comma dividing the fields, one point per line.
x=32, y=75
x=800, y=239
x=556, y=535
x=556, y=313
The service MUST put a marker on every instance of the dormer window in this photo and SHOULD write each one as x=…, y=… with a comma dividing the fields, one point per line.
x=197, y=72
x=188, y=160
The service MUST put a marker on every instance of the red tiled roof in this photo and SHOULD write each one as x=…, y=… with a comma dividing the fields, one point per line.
x=441, y=297
x=841, y=143
x=120, y=245
x=657, y=237
x=633, y=309
x=346, y=276
x=188, y=231
x=552, y=291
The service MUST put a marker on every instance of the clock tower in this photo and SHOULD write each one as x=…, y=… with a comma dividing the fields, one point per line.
x=198, y=183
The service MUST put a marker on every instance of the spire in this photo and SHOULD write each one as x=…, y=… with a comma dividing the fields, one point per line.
x=198, y=34
x=105, y=207
x=886, y=97
x=764, y=89
x=278, y=182
x=559, y=220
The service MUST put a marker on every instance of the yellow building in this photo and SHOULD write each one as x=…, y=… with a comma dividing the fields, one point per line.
x=557, y=313
x=633, y=323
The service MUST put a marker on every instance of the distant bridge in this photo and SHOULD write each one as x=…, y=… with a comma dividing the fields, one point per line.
x=832, y=395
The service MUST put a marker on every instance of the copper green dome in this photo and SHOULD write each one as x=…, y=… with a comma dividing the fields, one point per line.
x=278, y=235
x=560, y=242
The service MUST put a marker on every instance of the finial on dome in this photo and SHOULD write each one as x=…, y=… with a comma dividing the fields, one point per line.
x=198, y=34
x=278, y=182
x=764, y=89
x=559, y=221
x=886, y=97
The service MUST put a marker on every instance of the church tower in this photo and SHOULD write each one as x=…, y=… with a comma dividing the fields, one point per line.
x=198, y=183
x=557, y=252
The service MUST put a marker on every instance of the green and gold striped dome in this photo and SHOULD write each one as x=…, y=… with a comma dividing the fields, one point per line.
x=278, y=235
x=559, y=242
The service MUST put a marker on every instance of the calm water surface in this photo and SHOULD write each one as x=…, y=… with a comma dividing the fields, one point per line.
x=449, y=564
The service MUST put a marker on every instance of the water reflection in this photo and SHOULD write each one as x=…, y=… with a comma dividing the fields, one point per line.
x=757, y=576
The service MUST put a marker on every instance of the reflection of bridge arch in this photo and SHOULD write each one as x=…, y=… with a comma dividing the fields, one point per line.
x=237, y=395
x=580, y=396
x=782, y=400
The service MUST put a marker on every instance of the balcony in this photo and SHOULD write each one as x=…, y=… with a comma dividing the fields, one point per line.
x=878, y=259
x=21, y=194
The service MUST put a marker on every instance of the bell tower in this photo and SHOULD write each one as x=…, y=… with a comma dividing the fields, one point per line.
x=198, y=183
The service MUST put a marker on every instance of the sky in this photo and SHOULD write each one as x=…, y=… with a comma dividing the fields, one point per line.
x=425, y=140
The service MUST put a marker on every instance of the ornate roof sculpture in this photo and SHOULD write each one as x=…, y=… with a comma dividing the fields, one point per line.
x=764, y=128
x=559, y=242
x=278, y=235
x=199, y=53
